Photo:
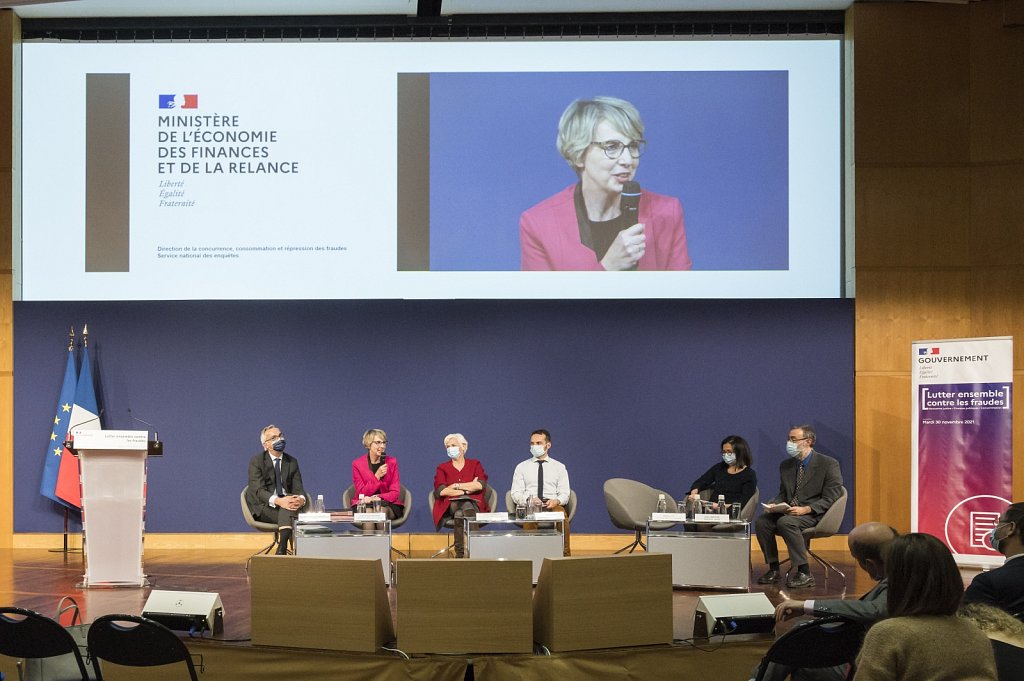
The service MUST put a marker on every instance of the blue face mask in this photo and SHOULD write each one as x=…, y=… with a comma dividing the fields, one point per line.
x=453, y=453
x=729, y=458
x=279, y=445
x=792, y=448
x=991, y=540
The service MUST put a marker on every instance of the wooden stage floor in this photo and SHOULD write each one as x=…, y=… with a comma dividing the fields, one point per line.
x=37, y=579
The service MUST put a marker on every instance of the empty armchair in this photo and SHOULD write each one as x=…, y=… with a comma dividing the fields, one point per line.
x=630, y=504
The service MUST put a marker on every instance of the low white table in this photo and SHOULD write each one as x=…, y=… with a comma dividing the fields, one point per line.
x=344, y=540
x=507, y=539
x=707, y=555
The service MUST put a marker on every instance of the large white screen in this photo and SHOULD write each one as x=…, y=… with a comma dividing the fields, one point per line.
x=281, y=178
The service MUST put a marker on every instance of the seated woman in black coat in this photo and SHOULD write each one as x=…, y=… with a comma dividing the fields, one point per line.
x=732, y=478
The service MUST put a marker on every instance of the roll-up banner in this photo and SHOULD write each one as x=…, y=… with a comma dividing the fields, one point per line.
x=962, y=442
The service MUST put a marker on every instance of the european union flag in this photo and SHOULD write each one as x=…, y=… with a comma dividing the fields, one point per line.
x=61, y=423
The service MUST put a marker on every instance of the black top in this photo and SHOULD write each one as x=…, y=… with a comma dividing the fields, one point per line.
x=375, y=466
x=736, y=488
x=597, y=236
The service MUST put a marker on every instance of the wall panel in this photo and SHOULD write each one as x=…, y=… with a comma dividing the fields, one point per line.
x=948, y=164
x=914, y=216
x=911, y=83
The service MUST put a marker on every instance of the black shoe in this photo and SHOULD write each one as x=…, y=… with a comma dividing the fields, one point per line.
x=770, y=577
x=801, y=581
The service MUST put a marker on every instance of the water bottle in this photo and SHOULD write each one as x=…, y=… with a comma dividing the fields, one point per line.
x=361, y=507
x=662, y=504
x=319, y=506
x=721, y=504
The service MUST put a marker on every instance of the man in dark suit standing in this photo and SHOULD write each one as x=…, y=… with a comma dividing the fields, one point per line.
x=809, y=483
x=275, y=492
x=1003, y=587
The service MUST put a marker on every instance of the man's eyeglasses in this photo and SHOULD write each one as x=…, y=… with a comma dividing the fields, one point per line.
x=273, y=438
x=798, y=439
x=613, y=148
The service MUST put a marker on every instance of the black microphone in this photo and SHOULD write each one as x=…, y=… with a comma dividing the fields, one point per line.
x=629, y=202
x=69, y=442
x=153, y=447
x=629, y=205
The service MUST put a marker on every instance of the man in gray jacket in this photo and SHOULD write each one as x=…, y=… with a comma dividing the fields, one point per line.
x=869, y=544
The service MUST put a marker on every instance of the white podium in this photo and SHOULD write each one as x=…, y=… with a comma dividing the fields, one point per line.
x=112, y=466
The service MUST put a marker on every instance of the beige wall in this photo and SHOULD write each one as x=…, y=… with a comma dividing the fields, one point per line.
x=938, y=162
x=938, y=102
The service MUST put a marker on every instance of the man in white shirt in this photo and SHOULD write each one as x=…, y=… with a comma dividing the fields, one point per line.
x=541, y=477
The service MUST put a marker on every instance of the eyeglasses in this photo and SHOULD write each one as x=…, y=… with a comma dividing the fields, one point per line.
x=613, y=148
x=274, y=438
x=798, y=439
x=379, y=442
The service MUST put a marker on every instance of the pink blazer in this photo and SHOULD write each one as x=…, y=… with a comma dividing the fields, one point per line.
x=549, y=235
x=367, y=484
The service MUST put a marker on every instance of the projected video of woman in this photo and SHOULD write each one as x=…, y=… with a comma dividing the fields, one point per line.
x=605, y=221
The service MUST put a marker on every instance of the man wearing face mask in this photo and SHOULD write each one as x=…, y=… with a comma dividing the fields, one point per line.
x=1003, y=587
x=459, y=485
x=541, y=478
x=275, y=492
x=809, y=483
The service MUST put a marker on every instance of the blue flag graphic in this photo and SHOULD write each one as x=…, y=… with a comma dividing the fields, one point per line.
x=61, y=423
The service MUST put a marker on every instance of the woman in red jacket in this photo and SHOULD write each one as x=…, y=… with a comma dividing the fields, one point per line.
x=458, y=488
x=375, y=475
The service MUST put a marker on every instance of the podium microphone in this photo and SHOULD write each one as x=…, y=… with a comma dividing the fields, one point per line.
x=69, y=443
x=153, y=447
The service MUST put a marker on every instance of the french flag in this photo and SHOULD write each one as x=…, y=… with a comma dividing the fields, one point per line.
x=179, y=101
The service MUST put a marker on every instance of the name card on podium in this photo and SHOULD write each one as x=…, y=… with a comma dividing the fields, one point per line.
x=110, y=439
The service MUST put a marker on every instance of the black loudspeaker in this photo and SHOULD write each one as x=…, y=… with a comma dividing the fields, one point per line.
x=192, y=611
x=731, y=614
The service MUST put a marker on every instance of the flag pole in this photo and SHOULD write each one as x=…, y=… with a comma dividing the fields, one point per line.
x=66, y=550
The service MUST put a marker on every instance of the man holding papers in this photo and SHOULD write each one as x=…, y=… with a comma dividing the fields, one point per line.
x=809, y=483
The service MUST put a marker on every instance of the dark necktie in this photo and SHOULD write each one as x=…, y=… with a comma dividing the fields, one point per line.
x=795, y=501
x=278, y=483
x=540, y=479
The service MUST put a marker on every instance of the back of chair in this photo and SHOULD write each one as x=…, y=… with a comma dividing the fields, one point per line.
x=824, y=642
x=406, y=507
x=135, y=641
x=31, y=635
x=346, y=496
x=252, y=522
x=491, y=497
x=1009, y=661
x=750, y=508
x=830, y=521
x=630, y=503
x=570, y=506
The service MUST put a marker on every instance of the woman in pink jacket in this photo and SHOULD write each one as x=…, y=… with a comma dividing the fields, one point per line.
x=590, y=225
x=375, y=475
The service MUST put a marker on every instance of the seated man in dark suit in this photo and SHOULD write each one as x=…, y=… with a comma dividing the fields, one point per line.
x=809, y=483
x=869, y=544
x=275, y=492
x=1003, y=587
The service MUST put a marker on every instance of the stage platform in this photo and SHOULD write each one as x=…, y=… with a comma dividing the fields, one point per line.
x=37, y=579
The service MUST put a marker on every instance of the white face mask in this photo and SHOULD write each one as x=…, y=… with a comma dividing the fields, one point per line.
x=792, y=448
x=729, y=458
x=537, y=451
x=453, y=452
